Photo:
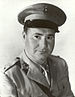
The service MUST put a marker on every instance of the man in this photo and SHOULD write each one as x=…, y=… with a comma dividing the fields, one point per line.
x=36, y=72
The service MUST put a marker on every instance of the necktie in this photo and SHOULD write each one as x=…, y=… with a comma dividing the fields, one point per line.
x=45, y=71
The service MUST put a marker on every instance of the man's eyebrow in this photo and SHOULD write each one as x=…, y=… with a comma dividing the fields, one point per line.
x=42, y=34
x=51, y=34
x=38, y=34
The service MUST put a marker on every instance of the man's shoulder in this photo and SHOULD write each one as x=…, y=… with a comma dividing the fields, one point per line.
x=59, y=65
x=12, y=65
x=58, y=61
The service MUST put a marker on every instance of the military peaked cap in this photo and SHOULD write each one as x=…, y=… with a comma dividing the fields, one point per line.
x=42, y=15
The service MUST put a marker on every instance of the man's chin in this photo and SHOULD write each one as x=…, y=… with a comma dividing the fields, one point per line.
x=42, y=59
x=42, y=56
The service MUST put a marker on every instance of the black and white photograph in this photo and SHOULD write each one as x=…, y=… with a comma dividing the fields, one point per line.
x=37, y=48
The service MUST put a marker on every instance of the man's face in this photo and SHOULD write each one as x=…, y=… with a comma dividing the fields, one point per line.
x=39, y=43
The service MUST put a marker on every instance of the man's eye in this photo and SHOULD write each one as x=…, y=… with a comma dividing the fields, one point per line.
x=37, y=37
x=50, y=37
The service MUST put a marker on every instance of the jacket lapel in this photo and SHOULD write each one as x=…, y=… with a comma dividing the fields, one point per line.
x=36, y=75
x=34, y=72
x=53, y=67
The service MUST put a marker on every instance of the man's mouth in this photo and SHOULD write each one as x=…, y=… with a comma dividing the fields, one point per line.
x=43, y=52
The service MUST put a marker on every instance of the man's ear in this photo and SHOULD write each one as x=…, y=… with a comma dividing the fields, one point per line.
x=23, y=34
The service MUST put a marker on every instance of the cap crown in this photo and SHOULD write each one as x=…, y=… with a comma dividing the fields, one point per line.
x=43, y=11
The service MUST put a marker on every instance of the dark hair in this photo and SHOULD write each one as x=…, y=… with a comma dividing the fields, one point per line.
x=25, y=29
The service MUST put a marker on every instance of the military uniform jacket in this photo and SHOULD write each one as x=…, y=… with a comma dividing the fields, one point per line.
x=30, y=82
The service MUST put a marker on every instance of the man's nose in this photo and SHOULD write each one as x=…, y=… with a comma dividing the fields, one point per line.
x=43, y=43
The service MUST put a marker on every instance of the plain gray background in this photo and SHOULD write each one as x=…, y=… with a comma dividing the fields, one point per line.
x=11, y=42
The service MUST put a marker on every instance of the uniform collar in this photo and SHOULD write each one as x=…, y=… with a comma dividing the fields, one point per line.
x=34, y=72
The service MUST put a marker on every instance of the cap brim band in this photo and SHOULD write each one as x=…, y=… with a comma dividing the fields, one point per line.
x=41, y=24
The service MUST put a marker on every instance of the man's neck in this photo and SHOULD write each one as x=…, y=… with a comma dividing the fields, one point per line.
x=31, y=62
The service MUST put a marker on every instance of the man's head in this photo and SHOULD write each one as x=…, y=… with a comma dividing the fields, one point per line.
x=39, y=43
x=40, y=22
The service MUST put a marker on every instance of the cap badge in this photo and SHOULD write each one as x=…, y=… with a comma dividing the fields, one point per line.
x=45, y=9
